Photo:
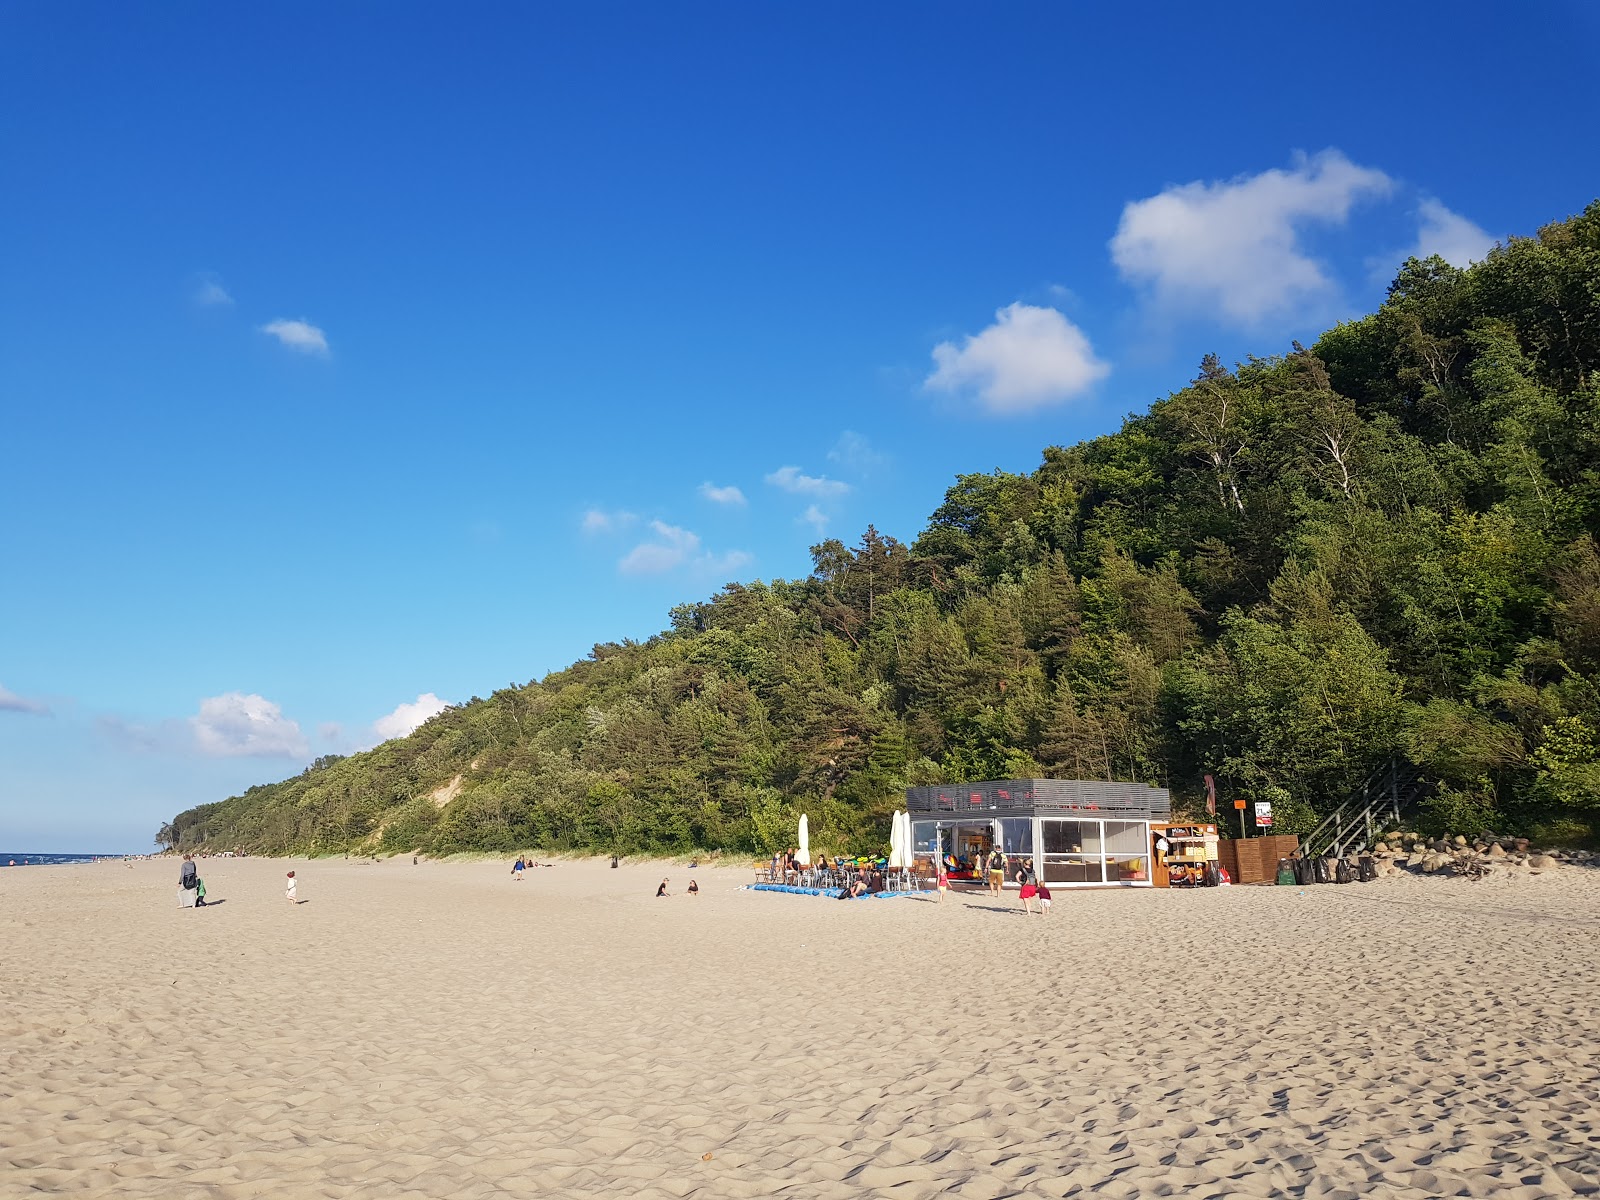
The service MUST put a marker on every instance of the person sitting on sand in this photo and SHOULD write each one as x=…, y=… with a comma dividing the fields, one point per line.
x=694, y=888
x=662, y=890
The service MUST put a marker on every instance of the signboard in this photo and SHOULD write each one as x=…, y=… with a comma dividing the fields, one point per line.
x=1263, y=815
x=1239, y=804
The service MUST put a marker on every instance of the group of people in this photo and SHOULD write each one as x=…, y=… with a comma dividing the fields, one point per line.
x=192, y=888
x=694, y=889
x=1031, y=887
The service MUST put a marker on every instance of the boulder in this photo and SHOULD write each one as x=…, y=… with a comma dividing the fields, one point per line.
x=1461, y=839
x=1497, y=851
x=1540, y=862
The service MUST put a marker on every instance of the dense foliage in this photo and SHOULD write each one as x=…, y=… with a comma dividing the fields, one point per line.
x=1283, y=574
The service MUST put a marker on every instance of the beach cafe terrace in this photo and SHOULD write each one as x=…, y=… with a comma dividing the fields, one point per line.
x=1078, y=832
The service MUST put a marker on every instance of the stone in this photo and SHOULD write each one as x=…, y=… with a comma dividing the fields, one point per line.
x=1461, y=839
x=1540, y=862
x=1497, y=851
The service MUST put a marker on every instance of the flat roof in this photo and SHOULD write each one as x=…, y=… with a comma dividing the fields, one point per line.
x=1094, y=798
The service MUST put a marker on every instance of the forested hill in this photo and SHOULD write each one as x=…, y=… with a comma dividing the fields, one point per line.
x=1283, y=574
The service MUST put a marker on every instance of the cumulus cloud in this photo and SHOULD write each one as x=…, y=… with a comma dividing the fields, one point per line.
x=1449, y=235
x=209, y=293
x=597, y=520
x=300, y=336
x=1030, y=357
x=1233, y=247
x=11, y=702
x=853, y=453
x=407, y=717
x=722, y=495
x=672, y=547
x=235, y=725
x=796, y=482
x=815, y=517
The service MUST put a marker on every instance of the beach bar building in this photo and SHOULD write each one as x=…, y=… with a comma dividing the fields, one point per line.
x=1078, y=832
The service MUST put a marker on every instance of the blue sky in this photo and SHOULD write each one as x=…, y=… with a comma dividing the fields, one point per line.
x=357, y=358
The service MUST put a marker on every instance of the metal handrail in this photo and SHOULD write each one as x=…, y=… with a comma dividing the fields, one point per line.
x=1378, y=801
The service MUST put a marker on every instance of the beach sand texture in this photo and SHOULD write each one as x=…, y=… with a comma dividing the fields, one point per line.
x=439, y=1030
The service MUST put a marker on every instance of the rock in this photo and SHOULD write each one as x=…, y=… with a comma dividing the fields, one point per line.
x=1497, y=851
x=1540, y=862
x=1521, y=844
x=1461, y=839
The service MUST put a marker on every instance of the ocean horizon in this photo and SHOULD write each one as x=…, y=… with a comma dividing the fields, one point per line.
x=36, y=859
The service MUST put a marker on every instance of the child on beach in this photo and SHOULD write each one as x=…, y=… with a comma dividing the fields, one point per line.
x=943, y=881
x=694, y=888
x=1044, y=899
x=662, y=890
x=288, y=889
x=199, y=892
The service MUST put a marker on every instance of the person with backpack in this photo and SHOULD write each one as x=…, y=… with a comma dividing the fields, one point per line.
x=188, y=881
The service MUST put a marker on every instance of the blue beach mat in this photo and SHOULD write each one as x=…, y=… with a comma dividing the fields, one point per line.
x=831, y=893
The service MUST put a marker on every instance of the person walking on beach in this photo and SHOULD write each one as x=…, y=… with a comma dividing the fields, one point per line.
x=1044, y=899
x=997, y=871
x=1029, y=884
x=288, y=889
x=516, y=870
x=942, y=881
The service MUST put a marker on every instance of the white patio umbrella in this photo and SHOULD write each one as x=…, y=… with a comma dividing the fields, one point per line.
x=804, y=852
x=894, y=840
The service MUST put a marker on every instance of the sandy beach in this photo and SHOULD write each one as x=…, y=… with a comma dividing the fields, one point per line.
x=440, y=1030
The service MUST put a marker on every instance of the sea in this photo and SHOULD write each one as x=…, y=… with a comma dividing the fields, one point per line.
x=31, y=859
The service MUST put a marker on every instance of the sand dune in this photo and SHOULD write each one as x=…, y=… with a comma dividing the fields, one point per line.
x=439, y=1030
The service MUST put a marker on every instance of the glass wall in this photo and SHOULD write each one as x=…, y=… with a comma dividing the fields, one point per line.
x=1081, y=851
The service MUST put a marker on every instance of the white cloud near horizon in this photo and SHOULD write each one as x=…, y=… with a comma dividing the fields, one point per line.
x=1451, y=236
x=11, y=702
x=722, y=495
x=674, y=547
x=234, y=725
x=406, y=718
x=597, y=520
x=816, y=518
x=300, y=336
x=798, y=483
x=1232, y=248
x=1029, y=358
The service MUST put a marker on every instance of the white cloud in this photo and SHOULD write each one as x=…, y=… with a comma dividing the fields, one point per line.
x=1233, y=248
x=722, y=495
x=300, y=336
x=1028, y=358
x=793, y=480
x=209, y=293
x=11, y=702
x=407, y=717
x=855, y=454
x=1449, y=235
x=674, y=547
x=599, y=521
x=235, y=725
x=815, y=517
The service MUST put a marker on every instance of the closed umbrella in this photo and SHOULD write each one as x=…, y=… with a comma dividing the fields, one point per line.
x=804, y=853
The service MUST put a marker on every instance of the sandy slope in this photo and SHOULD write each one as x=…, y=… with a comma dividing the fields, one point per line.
x=442, y=1031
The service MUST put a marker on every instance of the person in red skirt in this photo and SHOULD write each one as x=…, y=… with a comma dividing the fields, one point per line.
x=1030, y=885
